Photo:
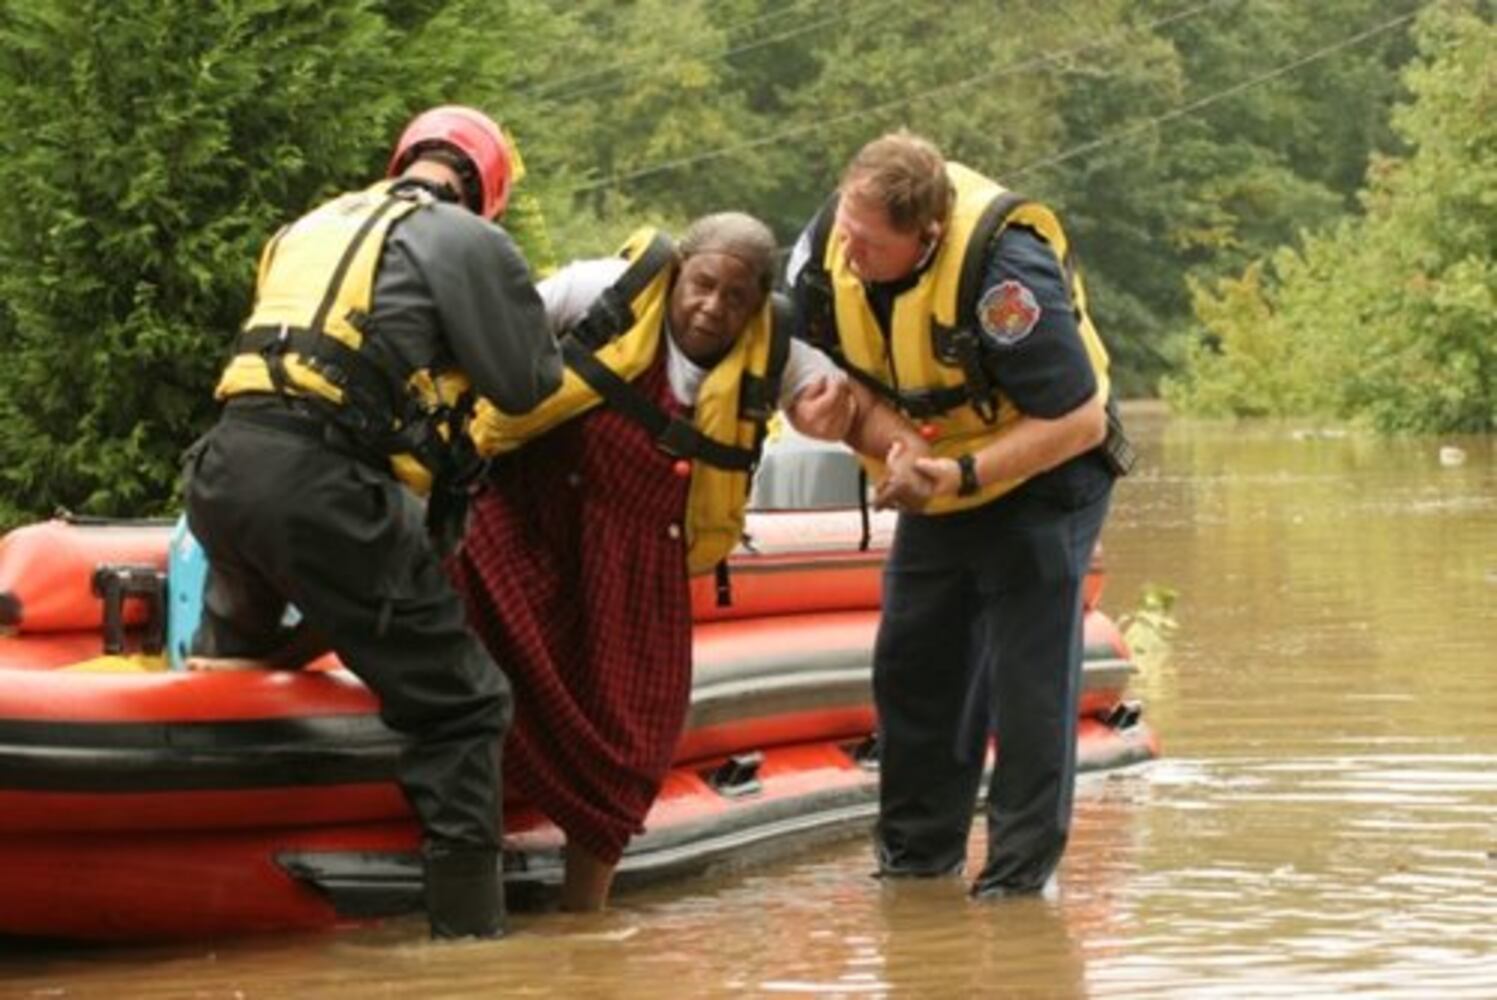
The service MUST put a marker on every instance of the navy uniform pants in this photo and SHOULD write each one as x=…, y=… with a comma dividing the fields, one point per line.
x=283, y=517
x=982, y=628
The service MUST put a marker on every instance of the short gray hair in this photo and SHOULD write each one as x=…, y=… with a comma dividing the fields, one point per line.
x=736, y=234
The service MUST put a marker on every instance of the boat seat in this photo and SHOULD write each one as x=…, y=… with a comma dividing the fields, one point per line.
x=800, y=473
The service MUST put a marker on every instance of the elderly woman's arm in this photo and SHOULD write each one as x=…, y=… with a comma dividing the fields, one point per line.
x=821, y=401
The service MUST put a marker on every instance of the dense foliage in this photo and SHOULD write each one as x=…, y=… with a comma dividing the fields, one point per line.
x=148, y=148
x=1206, y=154
x=1391, y=315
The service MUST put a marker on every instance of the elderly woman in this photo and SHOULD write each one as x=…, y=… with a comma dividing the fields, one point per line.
x=633, y=476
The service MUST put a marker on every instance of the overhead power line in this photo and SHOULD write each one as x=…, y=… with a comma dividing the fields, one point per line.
x=540, y=85
x=1199, y=104
x=598, y=78
x=1186, y=109
x=618, y=180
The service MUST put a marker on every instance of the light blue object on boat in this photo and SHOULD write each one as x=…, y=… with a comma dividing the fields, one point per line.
x=186, y=572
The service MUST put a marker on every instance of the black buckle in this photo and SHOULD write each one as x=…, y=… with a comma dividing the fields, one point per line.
x=280, y=344
x=921, y=405
x=679, y=438
x=1117, y=450
x=753, y=400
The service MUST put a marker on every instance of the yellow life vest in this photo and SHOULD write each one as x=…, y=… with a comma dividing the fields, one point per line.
x=736, y=400
x=305, y=337
x=916, y=361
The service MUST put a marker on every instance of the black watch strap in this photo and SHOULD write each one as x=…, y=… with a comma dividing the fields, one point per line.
x=968, y=466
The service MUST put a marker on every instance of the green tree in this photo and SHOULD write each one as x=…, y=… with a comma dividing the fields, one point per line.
x=1210, y=171
x=1423, y=317
x=150, y=147
x=1389, y=317
x=655, y=113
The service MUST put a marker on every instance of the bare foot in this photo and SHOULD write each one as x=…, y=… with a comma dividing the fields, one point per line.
x=588, y=879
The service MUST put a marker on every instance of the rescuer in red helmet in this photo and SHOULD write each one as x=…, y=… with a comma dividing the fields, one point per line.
x=339, y=466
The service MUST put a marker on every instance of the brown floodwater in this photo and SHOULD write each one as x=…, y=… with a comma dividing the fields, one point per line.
x=1323, y=821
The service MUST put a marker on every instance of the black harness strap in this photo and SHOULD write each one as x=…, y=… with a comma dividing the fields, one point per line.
x=672, y=434
x=759, y=396
x=920, y=404
x=612, y=313
x=365, y=381
x=724, y=584
x=865, y=519
x=813, y=288
x=335, y=285
x=959, y=343
x=989, y=222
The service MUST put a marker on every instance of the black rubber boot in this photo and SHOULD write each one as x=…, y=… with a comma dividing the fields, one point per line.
x=464, y=893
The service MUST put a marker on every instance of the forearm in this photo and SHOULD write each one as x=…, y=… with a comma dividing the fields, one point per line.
x=1033, y=445
x=877, y=425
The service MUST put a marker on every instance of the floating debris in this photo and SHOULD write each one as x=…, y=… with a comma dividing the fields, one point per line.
x=1451, y=456
x=1318, y=433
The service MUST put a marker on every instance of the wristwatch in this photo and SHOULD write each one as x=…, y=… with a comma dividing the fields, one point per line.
x=968, y=466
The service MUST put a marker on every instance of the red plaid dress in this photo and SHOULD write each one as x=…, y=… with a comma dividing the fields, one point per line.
x=574, y=573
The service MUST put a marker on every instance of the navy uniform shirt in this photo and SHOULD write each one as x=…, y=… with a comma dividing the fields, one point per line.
x=1033, y=351
x=1032, y=347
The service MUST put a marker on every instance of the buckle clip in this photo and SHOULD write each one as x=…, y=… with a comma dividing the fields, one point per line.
x=678, y=438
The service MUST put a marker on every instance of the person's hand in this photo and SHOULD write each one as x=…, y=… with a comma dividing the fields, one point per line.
x=944, y=475
x=825, y=409
x=905, y=487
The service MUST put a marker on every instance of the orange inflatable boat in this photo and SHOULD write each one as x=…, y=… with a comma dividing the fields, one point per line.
x=138, y=803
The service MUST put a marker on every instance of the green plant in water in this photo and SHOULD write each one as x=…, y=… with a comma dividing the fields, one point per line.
x=1149, y=629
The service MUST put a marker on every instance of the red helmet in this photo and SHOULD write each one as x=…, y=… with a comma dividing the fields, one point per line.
x=477, y=138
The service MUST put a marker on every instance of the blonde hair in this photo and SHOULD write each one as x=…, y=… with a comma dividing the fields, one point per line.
x=906, y=175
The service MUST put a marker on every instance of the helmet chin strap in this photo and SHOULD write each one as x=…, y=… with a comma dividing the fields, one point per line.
x=439, y=190
x=448, y=193
x=440, y=178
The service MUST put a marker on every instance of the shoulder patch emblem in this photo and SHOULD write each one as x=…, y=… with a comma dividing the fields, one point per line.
x=1008, y=312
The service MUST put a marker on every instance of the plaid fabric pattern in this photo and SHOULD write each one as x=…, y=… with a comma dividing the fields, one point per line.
x=574, y=573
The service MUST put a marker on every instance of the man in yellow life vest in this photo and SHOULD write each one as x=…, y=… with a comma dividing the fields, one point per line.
x=955, y=301
x=347, y=396
x=606, y=497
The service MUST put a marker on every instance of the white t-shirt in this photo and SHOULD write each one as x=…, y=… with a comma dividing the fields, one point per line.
x=571, y=291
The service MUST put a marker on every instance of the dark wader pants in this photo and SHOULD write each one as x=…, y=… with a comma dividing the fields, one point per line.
x=986, y=602
x=284, y=517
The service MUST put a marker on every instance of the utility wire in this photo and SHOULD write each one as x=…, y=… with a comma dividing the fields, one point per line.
x=541, y=85
x=618, y=180
x=543, y=92
x=1197, y=105
x=547, y=89
x=1210, y=99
